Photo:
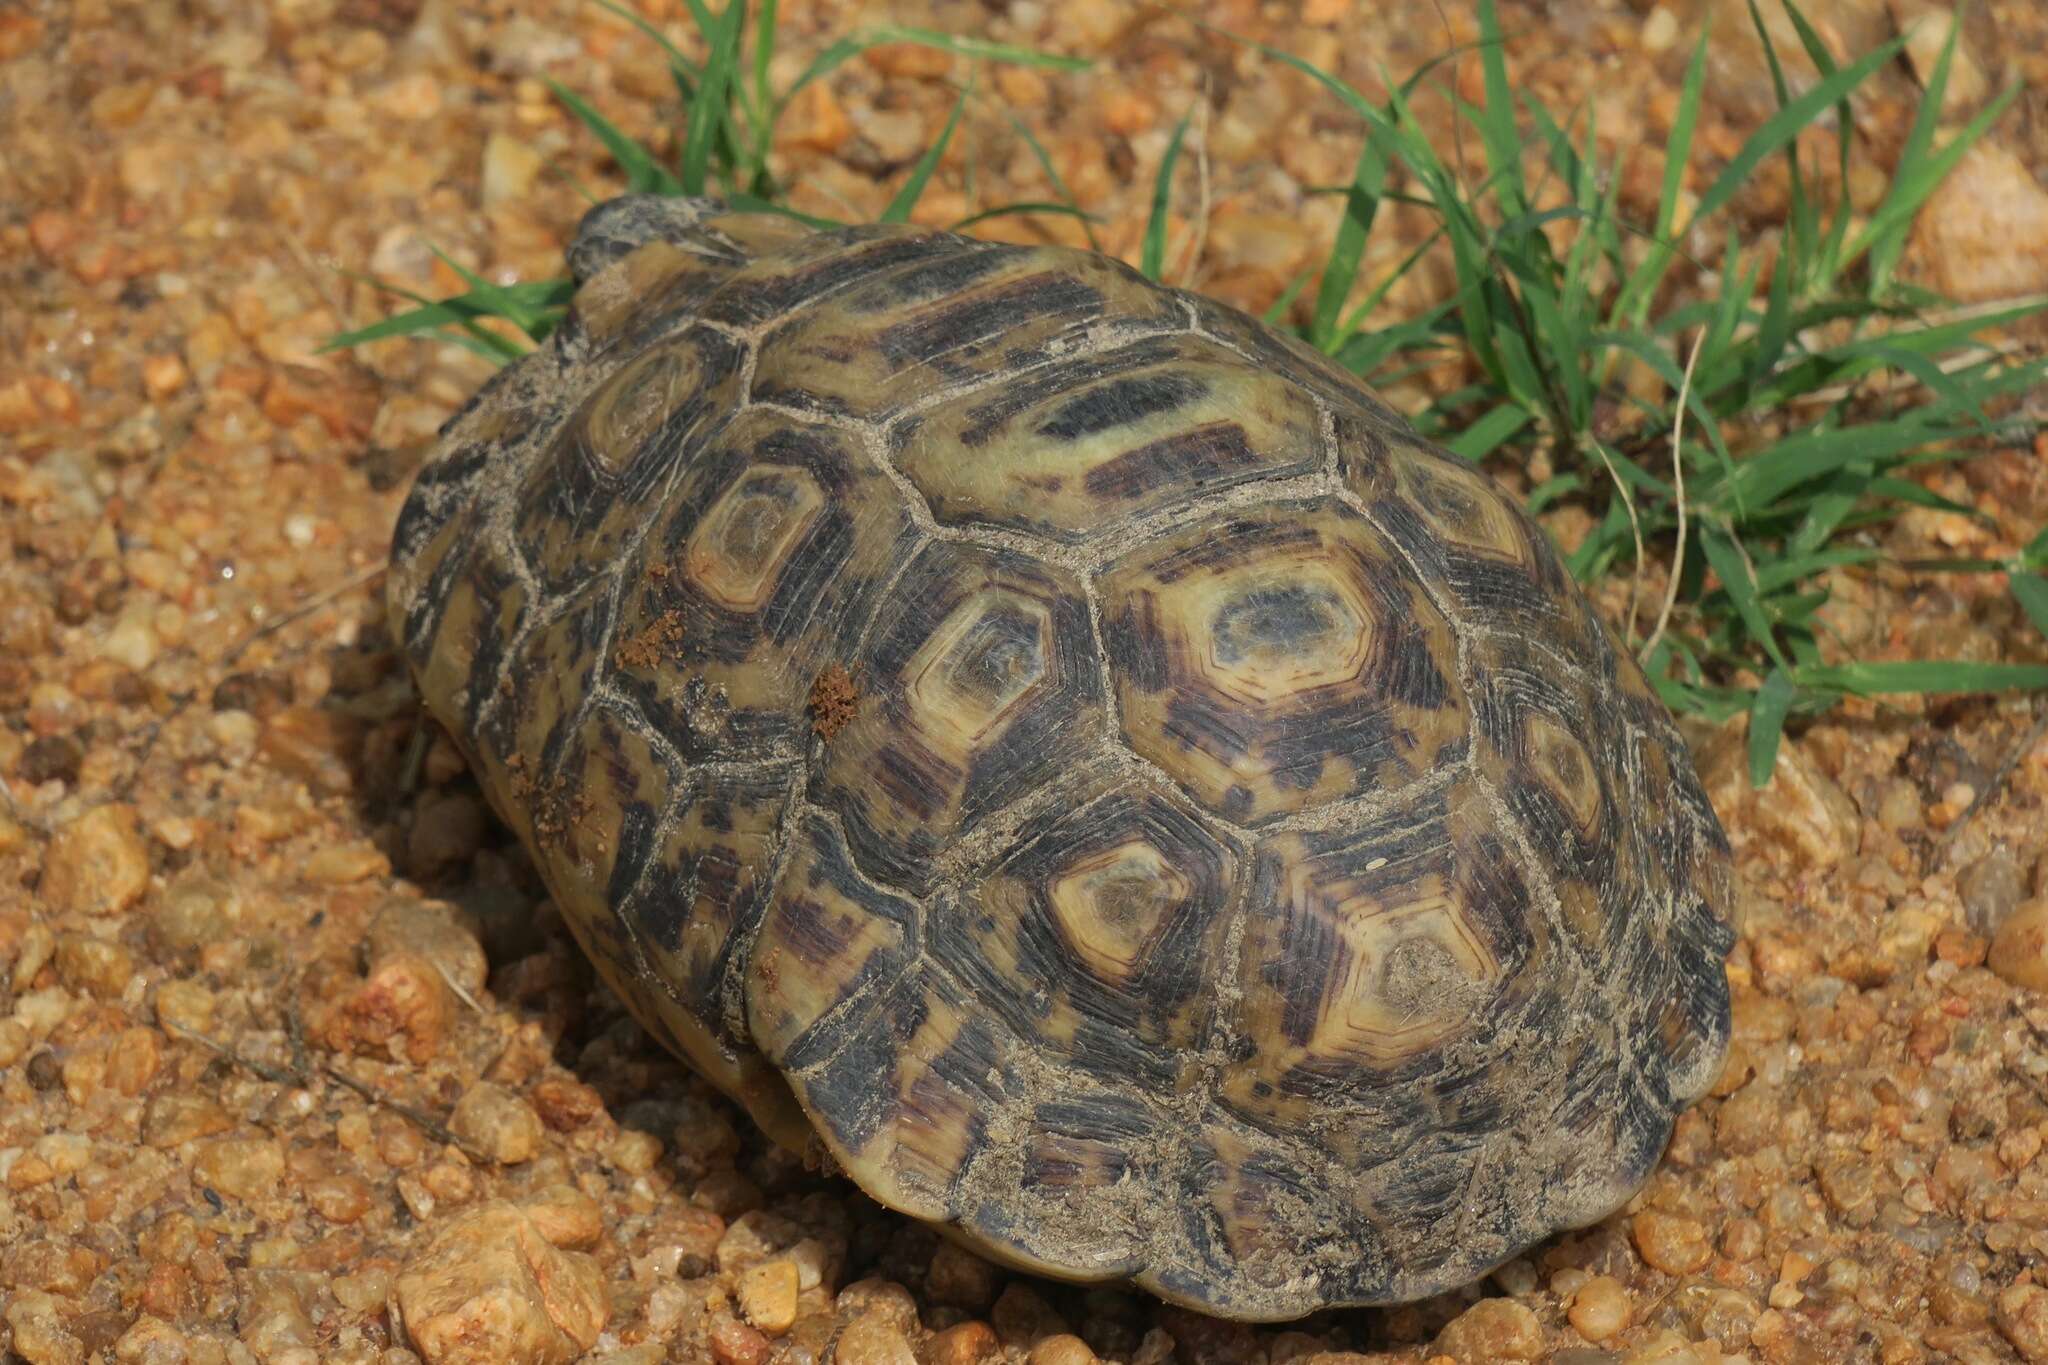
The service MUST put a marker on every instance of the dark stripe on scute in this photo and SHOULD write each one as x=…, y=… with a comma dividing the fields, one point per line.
x=637, y=825
x=977, y=318
x=1120, y=402
x=746, y=302
x=939, y=279
x=854, y=1092
x=1471, y=1100
x=993, y=410
x=1277, y=532
x=1089, y=1140
x=487, y=660
x=1137, y=646
x=1190, y=460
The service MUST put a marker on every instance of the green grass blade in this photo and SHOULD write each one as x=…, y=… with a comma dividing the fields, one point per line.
x=1052, y=174
x=2031, y=592
x=1738, y=580
x=1884, y=236
x=1497, y=121
x=1340, y=271
x=1481, y=437
x=644, y=173
x=495, y=298
x=1153, y=257
x=710, y=110
x=1767, y=725
x=1277, y=309
x=1784, y=126
x=762, y=107
x=1632, y=303
x=1028, y=206
x=921, y=174
x=1928, y=675
x=1886, y=242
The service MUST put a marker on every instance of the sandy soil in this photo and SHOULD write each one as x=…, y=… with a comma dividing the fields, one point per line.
x=259, y=1083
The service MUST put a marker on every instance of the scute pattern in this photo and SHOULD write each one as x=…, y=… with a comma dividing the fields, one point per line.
x=1241, y=862
x=979, y=681
x=1282, y=659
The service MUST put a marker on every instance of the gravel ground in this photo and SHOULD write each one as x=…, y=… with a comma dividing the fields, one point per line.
x=297, y=1064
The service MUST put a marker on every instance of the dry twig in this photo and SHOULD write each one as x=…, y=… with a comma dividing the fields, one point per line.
x=1678, y=483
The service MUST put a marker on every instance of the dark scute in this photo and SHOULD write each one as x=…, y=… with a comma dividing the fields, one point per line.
x=637, y=825
x=927, y=280
x=1120, y=402
x=1276, y=619
x=746, y=303
x=985, y=317
x=1028, y=390
x=849, y=1093
x=1208, y=456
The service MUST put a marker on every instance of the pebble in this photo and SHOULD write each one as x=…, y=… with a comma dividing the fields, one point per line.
x=2022, y=1319
x=247, y=1169
x=1599, y=1309
x=964, y=1343
x=1805, y=810
x=2019, y=950
x=1061, y=1350
x=53, y=758
x=442, y=934
x=178, y=1117
x=445, y=834
x=133, y=641
x=566, y=1216
x=94, y=966
x=959, y=1277
x=1492, y=1329
x=735, y=1343
x=1989, y=888
x=510, y=168
x=97, y=864
x=39, y=1334
x=873, y=1340
x=1672, y=1244
x=491, y=1288
x=767, y=1295
x=1985, y=235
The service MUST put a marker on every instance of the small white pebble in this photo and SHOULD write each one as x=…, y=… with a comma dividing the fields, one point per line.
x=299, y=528
x=1660, y=30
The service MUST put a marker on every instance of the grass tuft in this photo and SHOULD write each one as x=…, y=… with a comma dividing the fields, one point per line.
x=1815, y=381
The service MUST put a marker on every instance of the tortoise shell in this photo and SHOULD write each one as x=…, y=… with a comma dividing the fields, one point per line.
x=1074, y=752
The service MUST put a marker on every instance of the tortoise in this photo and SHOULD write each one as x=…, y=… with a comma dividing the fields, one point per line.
x=1072, y=755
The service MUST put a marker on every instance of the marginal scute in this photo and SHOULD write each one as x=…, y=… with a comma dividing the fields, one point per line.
x=1281, y=659
x=649, y=286
x=829, y=943
x=701, y=891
